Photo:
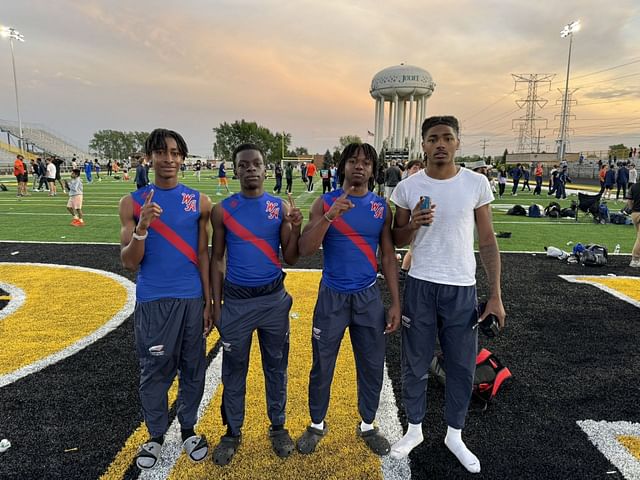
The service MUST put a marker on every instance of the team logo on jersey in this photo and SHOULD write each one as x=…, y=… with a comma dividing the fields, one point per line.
x=377, y=208
x=273, y=210
x=189, y=201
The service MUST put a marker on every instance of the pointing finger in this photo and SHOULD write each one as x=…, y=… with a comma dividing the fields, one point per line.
x=147, y=200
x=347, y=193
x=291, y=202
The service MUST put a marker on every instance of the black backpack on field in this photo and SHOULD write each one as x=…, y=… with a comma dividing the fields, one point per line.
x=488, y=380
x=517, y=210
x=618, y=218
x=568, y=212
x=552, y=210
x=3, y=187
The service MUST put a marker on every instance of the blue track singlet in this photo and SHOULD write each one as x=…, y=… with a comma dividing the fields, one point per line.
x=252, y=235
x=169, y=267
x=351, y=243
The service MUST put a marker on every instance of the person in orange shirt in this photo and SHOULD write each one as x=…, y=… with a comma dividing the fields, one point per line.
x=538, y=174
x=20, y=172
x=601, y=174
x=311, y=171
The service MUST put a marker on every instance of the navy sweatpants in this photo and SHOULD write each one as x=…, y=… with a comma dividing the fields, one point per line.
x=363, y=313
x=448, y=311
x=269, y=315
x=169, y=340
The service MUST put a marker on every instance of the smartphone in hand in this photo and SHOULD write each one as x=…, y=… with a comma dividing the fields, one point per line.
x=425, y=204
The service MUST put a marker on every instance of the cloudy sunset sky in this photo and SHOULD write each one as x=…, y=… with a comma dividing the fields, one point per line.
x=305, y=67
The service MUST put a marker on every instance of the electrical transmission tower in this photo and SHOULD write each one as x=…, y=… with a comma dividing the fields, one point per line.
x=565, y=117
x=484, y=147
x=527, y=130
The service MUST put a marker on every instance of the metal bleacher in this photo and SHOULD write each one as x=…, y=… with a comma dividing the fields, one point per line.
x=40, y=141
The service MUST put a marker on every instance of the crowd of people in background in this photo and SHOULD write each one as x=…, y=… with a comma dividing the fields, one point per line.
x=614, y=174
x=46, y=176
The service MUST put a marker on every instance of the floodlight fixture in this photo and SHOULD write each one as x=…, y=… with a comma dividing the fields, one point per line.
x=570, y=28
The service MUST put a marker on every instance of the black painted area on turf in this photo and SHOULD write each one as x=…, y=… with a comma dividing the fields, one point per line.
x=3, y=303
x=572, y=349
x=573, y=352
x=88, y=401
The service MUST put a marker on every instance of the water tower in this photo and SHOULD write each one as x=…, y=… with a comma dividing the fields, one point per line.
x=401, y=94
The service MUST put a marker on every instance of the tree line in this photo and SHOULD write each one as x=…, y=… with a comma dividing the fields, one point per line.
x=115, y=144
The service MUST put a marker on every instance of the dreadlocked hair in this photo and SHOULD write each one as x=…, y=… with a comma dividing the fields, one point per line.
x=351, y=151
x=157, y=141
x=447, y=120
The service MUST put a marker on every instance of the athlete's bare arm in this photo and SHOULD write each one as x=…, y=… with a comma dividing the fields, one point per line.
x=203, y=259
x=490, y=257
x=132, y=250
x=407, y=222
x=389, y=266
x=217, y=264
x=319, y=221
x=290, y=231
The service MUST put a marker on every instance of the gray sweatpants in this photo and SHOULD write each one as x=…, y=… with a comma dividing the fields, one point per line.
x=269, y=315
x=450, y=312
x=363, y=313
x=169, y=340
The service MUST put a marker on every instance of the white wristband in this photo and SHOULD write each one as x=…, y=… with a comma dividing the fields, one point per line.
x=140, y=237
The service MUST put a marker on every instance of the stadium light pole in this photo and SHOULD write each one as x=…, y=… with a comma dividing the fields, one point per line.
x=12, y=34
x=567, y=31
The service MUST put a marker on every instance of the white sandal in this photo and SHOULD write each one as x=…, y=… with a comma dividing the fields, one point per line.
x=196, y=448
x=148, y=455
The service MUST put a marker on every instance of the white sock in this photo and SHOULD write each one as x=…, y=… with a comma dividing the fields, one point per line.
x=454, y=443
x=411, y=440
x=319, y=426
x=365, y=427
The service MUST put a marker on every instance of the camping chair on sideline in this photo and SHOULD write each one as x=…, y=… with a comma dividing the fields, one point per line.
x=590, y=205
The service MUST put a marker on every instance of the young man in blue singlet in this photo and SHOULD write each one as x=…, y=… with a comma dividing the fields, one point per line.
x=251, y=227
x=164, y=235
x=351, y=223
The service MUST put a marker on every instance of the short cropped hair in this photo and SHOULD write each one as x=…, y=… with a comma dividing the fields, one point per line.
x=243, y=147
x=447, y=120
x=156, y=141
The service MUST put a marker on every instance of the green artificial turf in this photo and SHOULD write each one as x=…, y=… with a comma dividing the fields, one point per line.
x=43, y=218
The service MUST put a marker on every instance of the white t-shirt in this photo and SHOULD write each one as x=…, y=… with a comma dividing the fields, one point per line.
x=51, y=171
x=443, y=251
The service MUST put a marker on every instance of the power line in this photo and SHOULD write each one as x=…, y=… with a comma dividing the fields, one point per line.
x=488, y=106
x=637, y=60
x=496, y=118
x=635, y=74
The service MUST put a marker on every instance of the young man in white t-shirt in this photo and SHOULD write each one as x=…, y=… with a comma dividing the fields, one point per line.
x=440, y=290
